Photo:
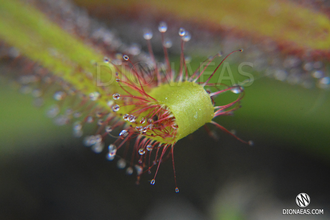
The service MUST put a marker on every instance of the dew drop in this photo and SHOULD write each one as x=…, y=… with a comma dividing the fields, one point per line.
x=100, y=122
x=325, y=80
x=132, y=118
x=123, y=133
x=139, y=169
x=110, y=103
x=186, y=36
x=162, y=27
x=106, y=59
x=98, y=147
x=149, y=147
x=53, y=111
x=87, y=141
x=108, y=129
x=77, y=114
x=317, y=74
x=89, y=119
x=152, y=182
x=77, y=133
x=112, y=150
x=182, y=32
x=36, y=93
x=98, y=138
x=177, y=189
x=142, y=151
x=121, y=164
x=116, y=96
x=109, y=157
x=61, y=120
x=168, y=44
x=147, y=34
x=129, y=171
x=143, y=120
x=77, y=126
x=237, y=89
x=94, y=96
x=115, y=108
x=59, y=95
x=125, y=117
x=126, y=57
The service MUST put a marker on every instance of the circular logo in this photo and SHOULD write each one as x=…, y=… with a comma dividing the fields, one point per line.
x=303, y=200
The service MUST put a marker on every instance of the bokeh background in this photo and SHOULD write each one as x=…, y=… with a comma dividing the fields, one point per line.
x=46, y=173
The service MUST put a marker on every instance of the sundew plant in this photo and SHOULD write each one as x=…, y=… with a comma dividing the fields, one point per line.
x=127, y=89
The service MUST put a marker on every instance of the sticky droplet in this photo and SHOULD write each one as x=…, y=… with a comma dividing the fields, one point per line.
x=147, y=34
x=115, y=108
x=142, y=151
x=123, y=133
x=182, y=32
x=162, y=27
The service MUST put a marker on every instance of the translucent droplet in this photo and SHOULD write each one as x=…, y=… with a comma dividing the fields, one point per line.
x=36, y=93
x=110, y=103
x=94, y=96
x=123, y=133
x=143, y=120
x=98, y=147
x=187, y=59
x=109, y=157
x=182, y=32
x=126, y=57
x=53, y=111
x=87, y=141
x=139, y=169
x=168, y=44
x=237, y=89
x=177, y=189
x=125, y=117
x=116, y=96
x=77, y=133
x=121, y=164
x=77, y=114
x=147, y=34
x=142, y=151
x=108, y=129
x=61, y=120
x=98, y=138
x=106, y=59
x=59, y=95
x=317, y=74
x=162, y=27
x=68, y=112
x=129, y=171
x=112, y=150
x=132, y=118
x=77, y=126
x=149, y=147
x=100, y=122
x=89, y=119
x=325, y=80
x=152, y=182
x=186, y=37
x=115, y=108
